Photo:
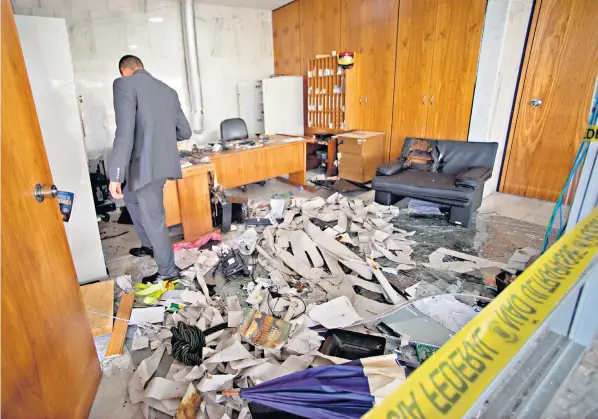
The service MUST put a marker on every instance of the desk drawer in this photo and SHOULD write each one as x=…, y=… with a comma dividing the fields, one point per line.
x=357, y=168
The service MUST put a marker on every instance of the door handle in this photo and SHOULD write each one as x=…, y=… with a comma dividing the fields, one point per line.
x=536, y=102
x=40, y=192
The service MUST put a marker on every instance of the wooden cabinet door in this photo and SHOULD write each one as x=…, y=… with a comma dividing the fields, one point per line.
x=286, y=40
x=351, y=27
x=562, y=68
x=50, y=368
x=320, y=29
x=377, y=65
x=457, y=41
x=415, y=52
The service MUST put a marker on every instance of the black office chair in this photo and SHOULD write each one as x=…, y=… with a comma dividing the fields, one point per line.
x=235, y=129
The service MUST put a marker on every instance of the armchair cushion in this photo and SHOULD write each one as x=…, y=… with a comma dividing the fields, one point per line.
x=473, y=177
x=392, y=167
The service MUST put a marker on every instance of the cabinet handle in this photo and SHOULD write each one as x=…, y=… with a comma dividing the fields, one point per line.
x=360, y=100
x=432, y=100
x=424, y=99
x=366, y=99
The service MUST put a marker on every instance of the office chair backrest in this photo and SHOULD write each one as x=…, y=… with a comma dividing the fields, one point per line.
x=233, y=129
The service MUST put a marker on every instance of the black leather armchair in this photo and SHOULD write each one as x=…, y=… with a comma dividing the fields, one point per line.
x=455, y=178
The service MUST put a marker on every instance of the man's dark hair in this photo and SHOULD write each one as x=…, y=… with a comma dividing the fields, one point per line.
x=130, y=62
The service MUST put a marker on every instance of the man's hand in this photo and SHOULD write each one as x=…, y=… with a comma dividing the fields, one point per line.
x=115, y=190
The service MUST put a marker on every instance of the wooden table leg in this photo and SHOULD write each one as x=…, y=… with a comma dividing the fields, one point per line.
x=331, y=169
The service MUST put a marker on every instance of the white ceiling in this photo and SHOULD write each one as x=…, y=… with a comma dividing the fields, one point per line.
x=252, y=4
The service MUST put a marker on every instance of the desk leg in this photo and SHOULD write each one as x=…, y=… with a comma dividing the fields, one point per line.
x=194, y=198
x=331, y=169
x=298, y=178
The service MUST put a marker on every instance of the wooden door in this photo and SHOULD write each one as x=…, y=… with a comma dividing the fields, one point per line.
x=351, y=28
x=457, y=40
x=379, y=44
x=320, y=29
x=49, y=364
x=415, y=52
x=561, y=72
x=287, y=40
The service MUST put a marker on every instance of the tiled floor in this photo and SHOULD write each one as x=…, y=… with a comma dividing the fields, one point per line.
x=518, y=208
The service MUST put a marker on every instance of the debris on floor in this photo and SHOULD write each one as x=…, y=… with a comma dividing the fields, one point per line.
x=254, y=309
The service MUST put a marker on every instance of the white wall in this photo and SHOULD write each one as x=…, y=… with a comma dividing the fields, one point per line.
x=46, y=50
x=501, y=54
x=235, y=45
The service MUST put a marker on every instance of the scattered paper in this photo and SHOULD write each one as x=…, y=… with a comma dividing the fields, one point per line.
x=335, y=313
x=194, y=297
x=140, y=342
x=235, y=352
x=147, y=315
x=215, y=382
x=124, y=283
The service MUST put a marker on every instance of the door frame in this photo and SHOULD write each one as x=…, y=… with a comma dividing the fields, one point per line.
x=529, y=41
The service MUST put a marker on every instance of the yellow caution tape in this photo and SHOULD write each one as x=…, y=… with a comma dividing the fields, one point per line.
x=451, y=381
x=591, y=133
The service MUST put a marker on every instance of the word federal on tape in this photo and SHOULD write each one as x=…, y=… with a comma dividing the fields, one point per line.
x=451, y=381
x=591, y=133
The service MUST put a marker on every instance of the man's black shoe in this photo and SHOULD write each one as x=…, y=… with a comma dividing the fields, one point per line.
x=155, y=278
x=142, y=251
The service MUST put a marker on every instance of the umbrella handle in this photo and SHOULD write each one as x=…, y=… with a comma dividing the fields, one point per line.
x=230, y=392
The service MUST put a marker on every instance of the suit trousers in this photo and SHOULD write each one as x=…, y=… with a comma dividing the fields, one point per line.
x=146, y=206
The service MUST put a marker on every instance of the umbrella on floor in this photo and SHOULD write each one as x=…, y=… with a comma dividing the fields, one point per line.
x=342, y=391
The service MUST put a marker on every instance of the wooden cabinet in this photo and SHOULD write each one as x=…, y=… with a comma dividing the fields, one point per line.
x=286, y=40
x=369, y=28
x=415, y=64
x=320, y=22
x=359, y=155
x=438, y=43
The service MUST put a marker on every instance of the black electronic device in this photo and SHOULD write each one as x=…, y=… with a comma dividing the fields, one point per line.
x=232, y=263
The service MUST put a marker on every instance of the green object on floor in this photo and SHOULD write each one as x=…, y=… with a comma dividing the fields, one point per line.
x=424, y=351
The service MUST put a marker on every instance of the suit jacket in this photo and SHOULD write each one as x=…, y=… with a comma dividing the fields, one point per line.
x=149, y=121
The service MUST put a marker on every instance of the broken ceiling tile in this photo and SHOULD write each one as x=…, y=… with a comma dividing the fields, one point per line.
x=341, y=227
x=389, y=291
x=380, y=236
x=335, y=313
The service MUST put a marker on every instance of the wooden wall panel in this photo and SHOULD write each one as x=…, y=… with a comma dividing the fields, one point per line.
x=415, y=52
x=320, y=28
x=379, y=21
x=351, y=27
x=457, y=42
x=287, y=40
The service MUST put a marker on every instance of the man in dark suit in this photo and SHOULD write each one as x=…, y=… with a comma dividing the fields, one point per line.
x=149, y=122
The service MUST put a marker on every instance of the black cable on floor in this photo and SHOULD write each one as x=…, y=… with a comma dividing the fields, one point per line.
x=188, y=342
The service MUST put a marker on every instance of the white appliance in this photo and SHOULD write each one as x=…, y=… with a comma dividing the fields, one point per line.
x=283, y=105
x=47, y=53
x=251, y=106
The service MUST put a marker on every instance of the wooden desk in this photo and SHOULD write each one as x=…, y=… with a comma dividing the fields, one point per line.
x=238, y=167
x=187, y=201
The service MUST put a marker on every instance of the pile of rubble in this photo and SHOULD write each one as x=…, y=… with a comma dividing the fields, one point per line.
x=303, y=278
